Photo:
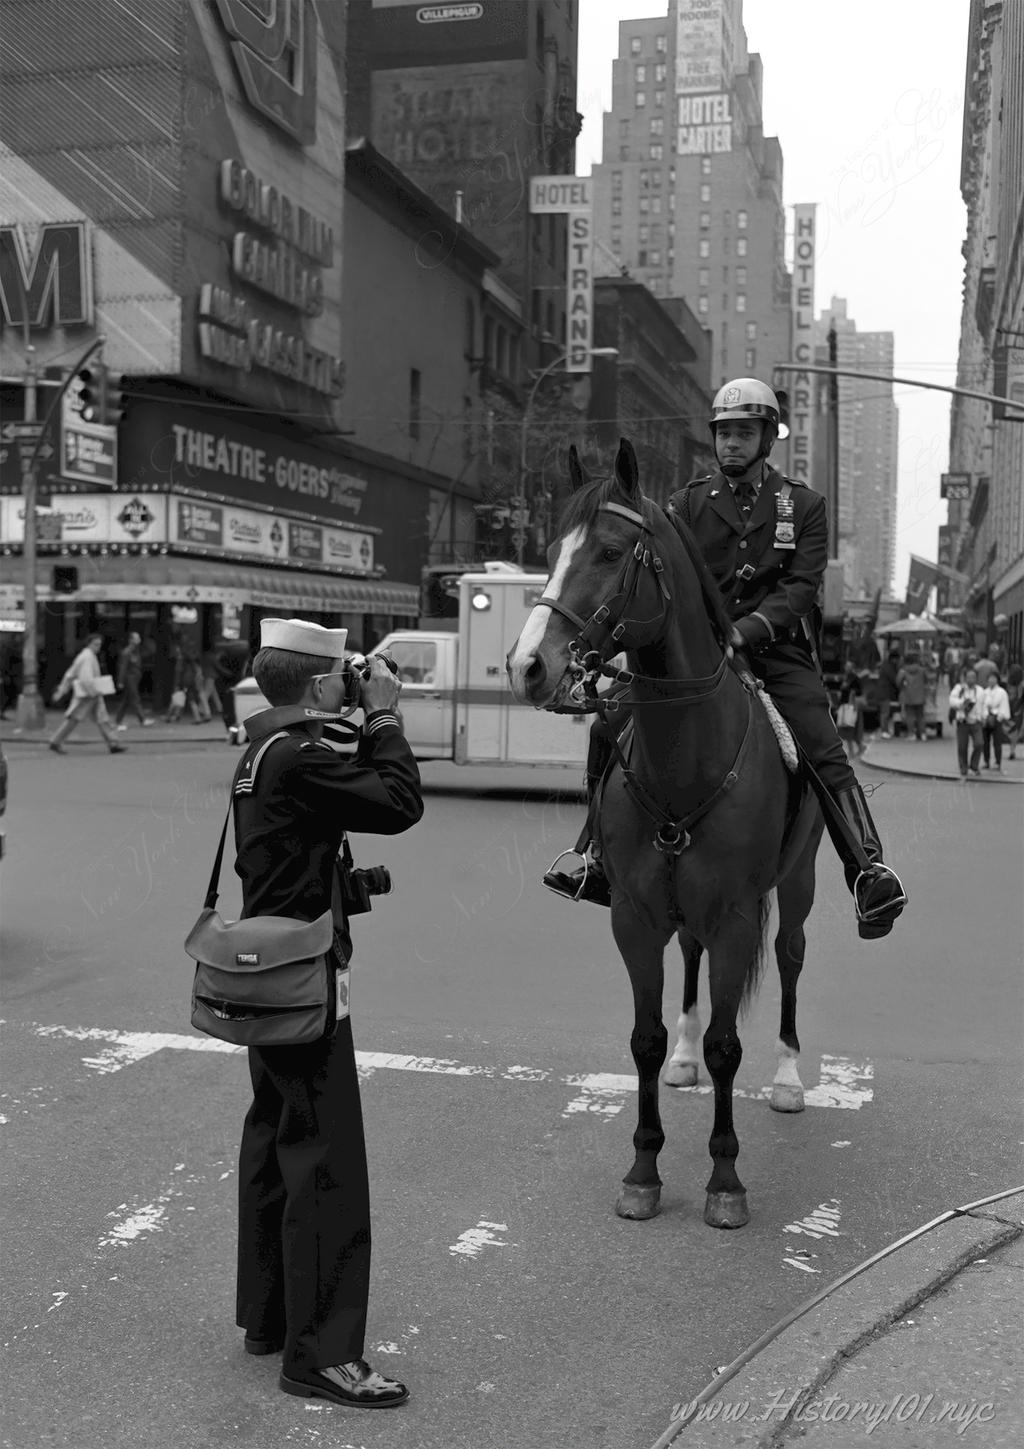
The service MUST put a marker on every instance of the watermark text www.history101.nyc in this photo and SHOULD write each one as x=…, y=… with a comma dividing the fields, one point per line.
x=961, y=1414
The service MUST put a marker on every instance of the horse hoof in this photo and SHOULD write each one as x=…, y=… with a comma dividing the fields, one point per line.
x=726, y=1210
x=786, y=1098
x=681, y=1074
x=637, y=1202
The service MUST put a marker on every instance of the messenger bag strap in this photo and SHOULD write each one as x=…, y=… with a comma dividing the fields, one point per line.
x=213, y=888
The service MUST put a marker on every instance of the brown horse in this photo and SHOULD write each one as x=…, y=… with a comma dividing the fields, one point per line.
x=700, y=819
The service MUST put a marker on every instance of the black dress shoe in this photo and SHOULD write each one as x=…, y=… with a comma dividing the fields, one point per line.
x=261, y=1346
x=355, y=1384
x=117, y=749
x=589, y=883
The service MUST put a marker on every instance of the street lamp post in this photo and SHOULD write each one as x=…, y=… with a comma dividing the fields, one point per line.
x=520, y=532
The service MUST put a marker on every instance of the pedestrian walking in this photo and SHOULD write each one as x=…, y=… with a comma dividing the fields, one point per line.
x=129, y=674
x=965, y=711
x=304, y=1214
x=850, y=702
x=952, y=663
x=230, y=664
x=986, y=666
x=86, y=682
x=995, y=716
x=888, y=690
x=913, y=687
x=209, y=698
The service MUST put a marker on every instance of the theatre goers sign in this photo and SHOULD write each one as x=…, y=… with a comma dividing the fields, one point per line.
x=572, y=196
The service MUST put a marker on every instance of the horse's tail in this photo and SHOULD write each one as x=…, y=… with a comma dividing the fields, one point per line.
x=757, y=964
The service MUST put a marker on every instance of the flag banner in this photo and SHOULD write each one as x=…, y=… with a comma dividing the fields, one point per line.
x=923, y=575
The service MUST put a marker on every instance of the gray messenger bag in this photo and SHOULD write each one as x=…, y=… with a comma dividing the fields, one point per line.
x=263, y=981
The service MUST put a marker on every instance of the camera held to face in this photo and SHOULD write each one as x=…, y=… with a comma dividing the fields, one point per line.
x=357, y=669
x=356, y=887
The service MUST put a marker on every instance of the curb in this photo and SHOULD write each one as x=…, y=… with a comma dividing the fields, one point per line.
x=989, y=779
x=796, y=1366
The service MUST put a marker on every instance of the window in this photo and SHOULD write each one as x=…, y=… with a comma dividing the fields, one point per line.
x=741, y=220
x=616, y=206
x=656, y=178
x=656, y=205
x=635, y=45
x=705, y=221
x=616, y=237
x=741, y=246
x=414, y=402
x=741, y=301
x=741, y=276
x=671, y=176
x=643, y=231
x=655, y=284
x=660, y=71
x=705, y=165
x=616, y=180
x=727, y=219
x=624, y=130
x=671, y=228
x=704, y=248
x=661, y=44
x=751, y=331
x=641, y=75
x=641, y=98
x=623, y=153
x=751, y=359
x=657, y=151
x=641, y=258
x=657, y=125
x=702, y=305
x=645, y=180
x=671, y=255
x=655, y=257
x=705, y=191
x=704, y=277
x=417, y=659
x=671, y=201
x=659, y=98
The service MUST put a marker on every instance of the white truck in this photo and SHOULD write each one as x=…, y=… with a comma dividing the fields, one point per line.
x=456, y=703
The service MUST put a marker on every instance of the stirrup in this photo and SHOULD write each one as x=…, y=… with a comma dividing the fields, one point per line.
x=889, y=909
x=586, y=870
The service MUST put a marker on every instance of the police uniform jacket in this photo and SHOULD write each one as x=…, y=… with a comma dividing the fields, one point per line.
x=295, y=796
x=767, y=590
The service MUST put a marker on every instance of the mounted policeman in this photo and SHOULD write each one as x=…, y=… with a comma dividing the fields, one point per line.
x=765, y=540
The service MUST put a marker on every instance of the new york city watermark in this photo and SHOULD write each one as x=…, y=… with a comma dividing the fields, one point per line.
x=962, y=1414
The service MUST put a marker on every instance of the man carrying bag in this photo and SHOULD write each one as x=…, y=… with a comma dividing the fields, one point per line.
x=304, y=1217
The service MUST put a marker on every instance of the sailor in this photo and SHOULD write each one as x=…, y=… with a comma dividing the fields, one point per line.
x=304, y=1210
x=765, y=539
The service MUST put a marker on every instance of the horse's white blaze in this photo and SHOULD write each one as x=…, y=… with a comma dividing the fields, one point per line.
x=539, y=617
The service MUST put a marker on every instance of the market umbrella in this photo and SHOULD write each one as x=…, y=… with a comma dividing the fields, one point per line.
x=917, y=628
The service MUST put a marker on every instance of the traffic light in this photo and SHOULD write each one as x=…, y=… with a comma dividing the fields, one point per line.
x=83, y=396
x=113, y=399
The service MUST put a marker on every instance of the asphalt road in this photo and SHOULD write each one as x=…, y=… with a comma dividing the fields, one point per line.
x=494, y=1021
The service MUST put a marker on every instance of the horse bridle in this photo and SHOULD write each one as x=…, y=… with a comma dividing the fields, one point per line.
x=586, y=660
x=672, y=835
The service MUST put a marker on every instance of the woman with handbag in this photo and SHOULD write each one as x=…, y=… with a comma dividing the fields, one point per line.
x=850, y=710
x=304, y=1215
x=995, y=717
x=87, y=684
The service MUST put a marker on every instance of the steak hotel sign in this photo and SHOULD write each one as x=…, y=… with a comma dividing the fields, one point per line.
x=573, y=196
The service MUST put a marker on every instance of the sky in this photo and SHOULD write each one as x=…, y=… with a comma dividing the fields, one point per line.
x=867, y=103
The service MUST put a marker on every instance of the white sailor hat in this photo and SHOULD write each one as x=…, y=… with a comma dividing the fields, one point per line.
x=300, y=636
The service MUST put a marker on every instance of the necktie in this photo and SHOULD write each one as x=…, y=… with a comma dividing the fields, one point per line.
x=745, y=496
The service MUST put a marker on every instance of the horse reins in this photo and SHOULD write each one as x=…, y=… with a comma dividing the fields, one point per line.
x=672, y=835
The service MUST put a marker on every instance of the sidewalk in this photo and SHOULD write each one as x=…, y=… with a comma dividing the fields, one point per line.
x=935, y=759
x=87, y=735
x=923, y=1348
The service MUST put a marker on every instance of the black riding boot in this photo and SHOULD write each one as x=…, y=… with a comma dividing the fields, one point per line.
x=588, y=882
x=878, y=892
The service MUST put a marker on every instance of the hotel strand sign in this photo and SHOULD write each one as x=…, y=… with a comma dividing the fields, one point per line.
x=573, y=196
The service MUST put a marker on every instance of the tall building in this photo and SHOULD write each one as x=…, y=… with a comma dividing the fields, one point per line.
x=688, y=195
x=868, y=445
x=470, y=101
x=984, y=535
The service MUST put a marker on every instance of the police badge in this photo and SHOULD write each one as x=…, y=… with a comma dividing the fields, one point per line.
x=785, y=528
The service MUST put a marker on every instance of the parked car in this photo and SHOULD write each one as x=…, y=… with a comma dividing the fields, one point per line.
x=3, y=797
